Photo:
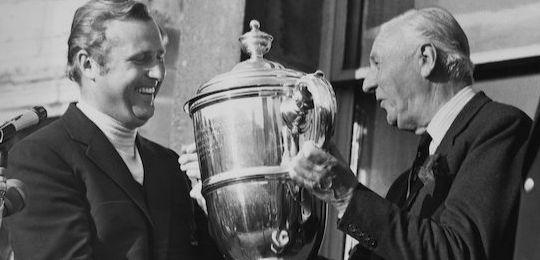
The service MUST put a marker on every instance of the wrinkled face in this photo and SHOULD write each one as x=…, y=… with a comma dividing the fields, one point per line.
x=394, y=76
x=133, y=71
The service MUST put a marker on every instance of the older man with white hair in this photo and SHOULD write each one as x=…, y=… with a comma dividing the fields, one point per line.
x=459, y=199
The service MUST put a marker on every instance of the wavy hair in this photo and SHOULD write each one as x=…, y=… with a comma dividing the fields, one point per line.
x=440, y=28
x=89, y=25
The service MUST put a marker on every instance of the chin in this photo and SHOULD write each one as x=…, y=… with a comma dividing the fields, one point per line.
x=143, y=113
x=391, y=121
x=406, y=126
x=143, y=119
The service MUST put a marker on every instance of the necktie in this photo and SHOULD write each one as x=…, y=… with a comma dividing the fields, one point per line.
x=421, y=155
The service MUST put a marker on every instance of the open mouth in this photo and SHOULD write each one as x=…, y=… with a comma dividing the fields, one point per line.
x=146, y=91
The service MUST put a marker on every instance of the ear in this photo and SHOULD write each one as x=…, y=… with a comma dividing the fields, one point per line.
x=428, y=59
x=88, y=66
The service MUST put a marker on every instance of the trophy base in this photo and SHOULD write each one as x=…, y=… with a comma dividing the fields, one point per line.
x=264, y=216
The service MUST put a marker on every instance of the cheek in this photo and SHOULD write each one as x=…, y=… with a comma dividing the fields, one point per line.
x=390, y=91
x=129, y=81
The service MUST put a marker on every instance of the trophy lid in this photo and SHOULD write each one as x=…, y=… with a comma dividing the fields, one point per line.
x=255, y=71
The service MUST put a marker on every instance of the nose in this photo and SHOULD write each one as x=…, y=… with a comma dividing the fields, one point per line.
x=370, y=82
x=157, y=71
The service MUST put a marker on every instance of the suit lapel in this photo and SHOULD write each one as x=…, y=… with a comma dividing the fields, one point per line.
x=462, y=120
x=100, y=151
x=459, y=124
x=533, y=144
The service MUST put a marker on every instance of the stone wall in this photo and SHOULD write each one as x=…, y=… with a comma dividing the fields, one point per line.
x=33, y=36
x=203, y=42
x=207, y=35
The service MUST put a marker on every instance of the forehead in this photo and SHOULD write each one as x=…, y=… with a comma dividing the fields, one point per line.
x=392, y=39
x=134, y=35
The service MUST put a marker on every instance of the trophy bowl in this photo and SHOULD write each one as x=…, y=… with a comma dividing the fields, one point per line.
x=248, y=124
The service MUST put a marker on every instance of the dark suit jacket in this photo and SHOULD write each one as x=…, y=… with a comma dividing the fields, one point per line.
x=83, y=203
x=528, y=231
x=469, y=208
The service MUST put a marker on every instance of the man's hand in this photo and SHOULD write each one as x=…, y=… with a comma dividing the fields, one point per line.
x=324, y=176
x=189, y=162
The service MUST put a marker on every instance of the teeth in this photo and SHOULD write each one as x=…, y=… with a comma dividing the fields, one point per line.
x=146, y=90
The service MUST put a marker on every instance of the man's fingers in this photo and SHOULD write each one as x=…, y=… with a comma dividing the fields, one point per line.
x=190, y=148
x=190, y=166
x=301, y=179
x=194, y=174
x=188, y=157
x=313, y=169
x=196, y=190
x=313, y=153
x=304, y=171
x=196, y=194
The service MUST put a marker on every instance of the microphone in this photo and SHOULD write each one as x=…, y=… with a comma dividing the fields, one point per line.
x=12, y=190
x=13, y=196
x=27, y=119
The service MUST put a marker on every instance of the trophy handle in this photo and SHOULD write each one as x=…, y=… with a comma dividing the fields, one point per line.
x=312, y=108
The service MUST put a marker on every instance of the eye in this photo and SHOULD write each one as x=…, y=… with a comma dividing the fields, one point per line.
x=160, y=57
x=141, y=59
x=374, y=62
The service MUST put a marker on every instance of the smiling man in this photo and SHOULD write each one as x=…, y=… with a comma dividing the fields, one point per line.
x=96, y=189
x=459, y=199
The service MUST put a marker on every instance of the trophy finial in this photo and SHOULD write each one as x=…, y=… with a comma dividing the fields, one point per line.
x=254, y=25
x=256, y=42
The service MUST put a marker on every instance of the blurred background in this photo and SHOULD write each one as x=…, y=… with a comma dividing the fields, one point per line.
x=334, y=36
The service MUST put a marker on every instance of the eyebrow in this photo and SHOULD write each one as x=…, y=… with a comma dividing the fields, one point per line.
x=148, y=52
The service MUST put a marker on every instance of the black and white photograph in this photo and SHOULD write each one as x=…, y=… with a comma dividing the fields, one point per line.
x=269, y=129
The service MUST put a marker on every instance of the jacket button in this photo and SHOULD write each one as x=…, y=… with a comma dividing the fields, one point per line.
x=528, y=185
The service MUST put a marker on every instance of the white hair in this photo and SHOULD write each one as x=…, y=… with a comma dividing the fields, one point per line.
x=442, y=30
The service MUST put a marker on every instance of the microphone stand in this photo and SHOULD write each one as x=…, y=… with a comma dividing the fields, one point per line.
x=3, y=184
x=3, y=155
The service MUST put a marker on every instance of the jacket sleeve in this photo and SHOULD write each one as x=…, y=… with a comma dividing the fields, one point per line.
x=479, y=210
x=55, y=223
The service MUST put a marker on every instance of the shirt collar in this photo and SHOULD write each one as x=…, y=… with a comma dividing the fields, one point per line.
x=443, y=119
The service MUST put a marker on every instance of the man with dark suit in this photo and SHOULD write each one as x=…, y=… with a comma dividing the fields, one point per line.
x=459, y=200
x=96, y=189
x=528, y=231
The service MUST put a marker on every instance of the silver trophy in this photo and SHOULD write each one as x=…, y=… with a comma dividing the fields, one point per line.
x=248, y=124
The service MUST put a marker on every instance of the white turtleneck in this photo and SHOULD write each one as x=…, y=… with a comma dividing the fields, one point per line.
x=122, y=138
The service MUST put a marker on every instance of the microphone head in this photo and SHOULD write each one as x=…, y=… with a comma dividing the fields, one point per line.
x=26, y=119
x=14, y=199
x=40, y=112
